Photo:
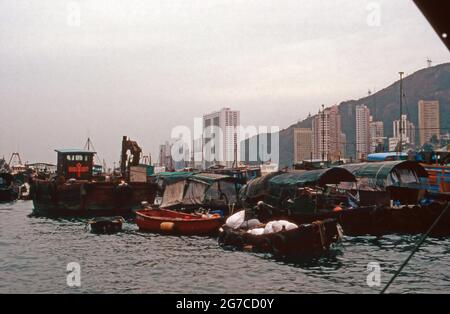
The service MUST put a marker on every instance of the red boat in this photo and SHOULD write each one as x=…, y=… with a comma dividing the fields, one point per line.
x=172, y=222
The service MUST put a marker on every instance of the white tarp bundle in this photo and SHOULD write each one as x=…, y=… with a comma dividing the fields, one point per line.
x=235, y=220
x=277, y=226
x=256, y=231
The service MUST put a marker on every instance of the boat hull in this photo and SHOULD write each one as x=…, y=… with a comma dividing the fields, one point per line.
x=384, y=220
x=89, y=199
x=171, y=222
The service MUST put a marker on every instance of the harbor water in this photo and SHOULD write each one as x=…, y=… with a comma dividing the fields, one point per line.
x=34, y=253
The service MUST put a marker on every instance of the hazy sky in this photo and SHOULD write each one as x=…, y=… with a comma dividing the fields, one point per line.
x=138, y=68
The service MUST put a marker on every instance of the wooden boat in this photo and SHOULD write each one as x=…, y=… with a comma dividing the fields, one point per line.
x=106, y=225
x=377, y=220
x=172, y=222
x=7, y=191
x=77, y=192
x=306, y=240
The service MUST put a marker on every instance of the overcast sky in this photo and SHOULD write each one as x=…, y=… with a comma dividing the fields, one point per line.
x=138, y=68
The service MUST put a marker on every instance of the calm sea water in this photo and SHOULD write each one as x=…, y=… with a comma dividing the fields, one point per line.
x=34, y=253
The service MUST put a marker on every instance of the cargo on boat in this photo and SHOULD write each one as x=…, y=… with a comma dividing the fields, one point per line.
x=281, y=238
x=176, y=223
x=76, y=192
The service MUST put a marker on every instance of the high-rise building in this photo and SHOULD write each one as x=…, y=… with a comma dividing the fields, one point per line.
x=326, y=128
x=302, y=144
x=343, y=144
x=408, y=134
x=362, y=131
x=225, y=149
x=428, y=112
x=165, y=156
x=376, y=130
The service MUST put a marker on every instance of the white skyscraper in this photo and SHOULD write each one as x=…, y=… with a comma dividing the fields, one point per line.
x=327, y=135
x=222, y=148
x=362, y=131
x=408, y=133
x=376, y=134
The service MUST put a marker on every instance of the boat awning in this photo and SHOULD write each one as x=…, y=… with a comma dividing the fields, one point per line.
x=172, y=177
x=189, y=188
x=275, y=183
x=209, y=178
x=379, y=175
x=258, y=186
x=319, y=177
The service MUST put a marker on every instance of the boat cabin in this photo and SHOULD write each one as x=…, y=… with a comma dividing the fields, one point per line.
x=75, y=163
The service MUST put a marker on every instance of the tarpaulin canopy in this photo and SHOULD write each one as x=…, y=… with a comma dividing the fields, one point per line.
x=379, y=175
x=274, y=183
x=257, y=187
x=171, y=177
x=199, y=189
x=320, y=177
x=209, y=178
x=173, y=194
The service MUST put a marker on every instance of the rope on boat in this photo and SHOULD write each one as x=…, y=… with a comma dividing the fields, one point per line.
x=417, y=246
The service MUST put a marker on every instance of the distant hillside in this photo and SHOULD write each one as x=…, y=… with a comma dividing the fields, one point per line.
x=430, y=84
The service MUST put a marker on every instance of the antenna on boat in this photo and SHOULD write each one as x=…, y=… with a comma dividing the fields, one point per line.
x=88, y=146
x=203, y=148
x=192, y=154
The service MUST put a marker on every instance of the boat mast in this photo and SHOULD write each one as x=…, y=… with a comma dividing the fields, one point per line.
x=88, y=146
x=192, y=155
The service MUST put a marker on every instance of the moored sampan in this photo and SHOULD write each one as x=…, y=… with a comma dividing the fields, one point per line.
x=106, y=225
x=304, y=240
x=172, y=222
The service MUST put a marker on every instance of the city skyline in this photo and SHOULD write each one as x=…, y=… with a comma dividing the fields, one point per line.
x=134, y=65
